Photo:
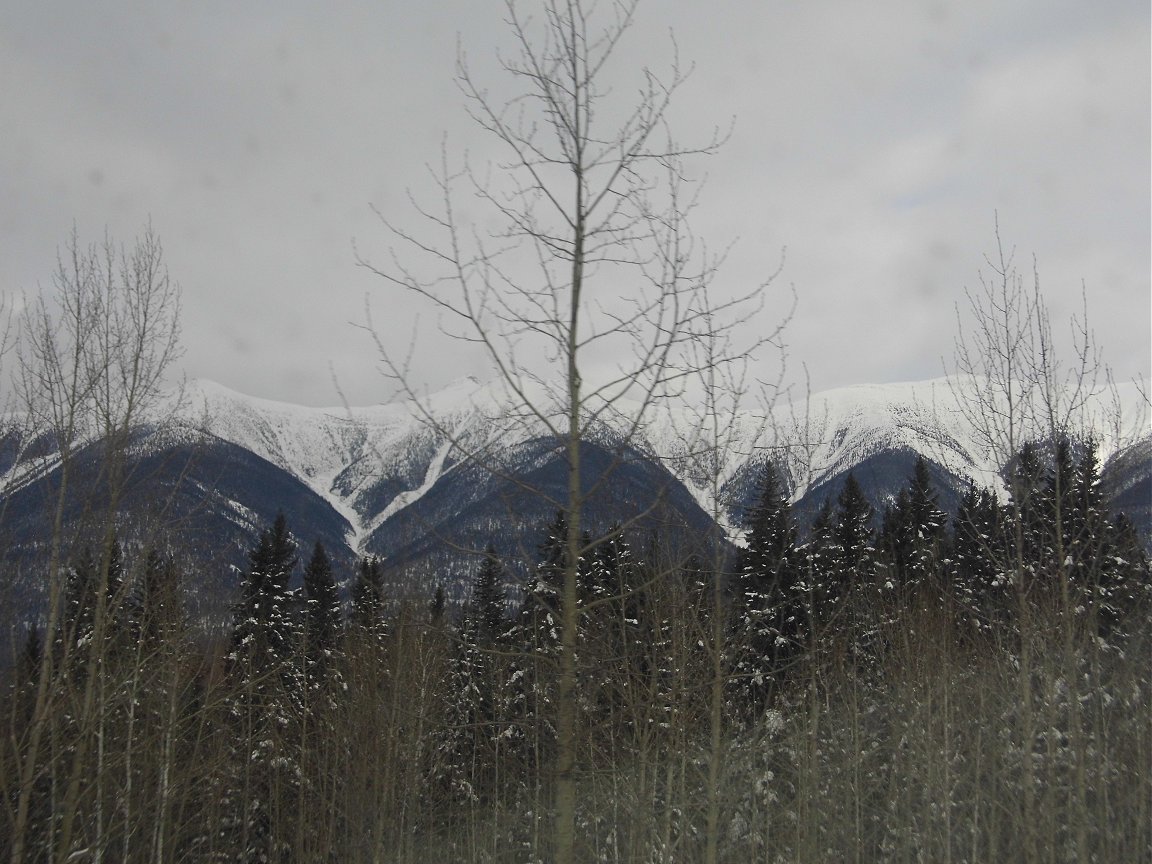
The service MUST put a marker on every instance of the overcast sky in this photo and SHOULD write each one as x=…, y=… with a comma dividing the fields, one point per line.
x=875, y=141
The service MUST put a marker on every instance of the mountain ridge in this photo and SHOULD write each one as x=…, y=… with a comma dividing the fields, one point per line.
x=421, y=484
x=838, y=429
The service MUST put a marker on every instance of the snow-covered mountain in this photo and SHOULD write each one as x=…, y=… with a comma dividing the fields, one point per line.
x=419, y=482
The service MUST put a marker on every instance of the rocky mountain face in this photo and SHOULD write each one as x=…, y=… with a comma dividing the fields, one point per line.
x=421, y=484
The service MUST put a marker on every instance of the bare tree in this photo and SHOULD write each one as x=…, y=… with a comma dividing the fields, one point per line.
x=94, y=353
x=587, y=296
x=1014, y=385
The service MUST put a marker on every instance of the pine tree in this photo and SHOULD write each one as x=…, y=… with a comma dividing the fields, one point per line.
x=540, y=611
x=82, y=597
x=77, y=622
x=1086, y=511
x=855, y=569
x=615, y=627
x=1057, y=510
x=1124, y=593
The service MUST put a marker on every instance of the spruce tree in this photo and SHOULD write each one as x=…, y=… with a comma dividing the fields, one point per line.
x=1125, y=589
x=1086, y=517
x=82, y=592
x=912, y=533
x=488, y=599
x=157, y=609
x=765, y=572
x=479, y=723
x=267, y=704
x=1026, y=511
x=769, y=607
x=976, y=559
x=321, y=610
x=855, y=568
x=540, y=611
x=76, y=624
x=820, y=587
x=855, y=554
x=368, y=595
x=615, y=626
x=263, y=616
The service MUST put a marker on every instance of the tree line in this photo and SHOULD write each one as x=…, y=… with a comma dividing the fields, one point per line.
x=401, y=727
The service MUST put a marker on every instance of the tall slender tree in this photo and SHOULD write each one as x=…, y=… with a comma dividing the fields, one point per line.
x=769, y=607
x=321, y=611
x=368, y=595
x=584, y=199
x=262, y=618
x=855, y=556
x=489, y=599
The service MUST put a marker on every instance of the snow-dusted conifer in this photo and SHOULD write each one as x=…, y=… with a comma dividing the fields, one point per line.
x=855, y=553
x=768, y=607
x=368, y=596
x=912, y=534
x=321, y=612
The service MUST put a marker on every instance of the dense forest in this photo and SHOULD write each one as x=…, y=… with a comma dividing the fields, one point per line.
x=898, y=686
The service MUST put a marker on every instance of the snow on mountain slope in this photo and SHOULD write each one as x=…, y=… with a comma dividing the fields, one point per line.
x=939, y=419
x=371, y=462
x=343, y=454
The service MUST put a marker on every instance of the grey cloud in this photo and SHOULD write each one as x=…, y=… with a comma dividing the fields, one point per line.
x=875, y=141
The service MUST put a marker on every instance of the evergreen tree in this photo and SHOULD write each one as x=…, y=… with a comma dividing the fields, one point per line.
x=1057, y=510
x=481, y=719
x=855, y=554
x=769, y=607
x=912, y=533
x=82, y=596
x=488, y=599
x=766, y=564
x=1124, y=593
x=31, y=654
x=263, y=616
x=368, y=595
x=820, y=587
x=76, y=624
x=267, y=706
x=114, y=582
x=321, y=610
x=977, y=558
x=616, y=629
x=540, y=611
x=860, y=610
x=157, y=609
x=1026, y=510
x=1086, y=516
x=437, y=606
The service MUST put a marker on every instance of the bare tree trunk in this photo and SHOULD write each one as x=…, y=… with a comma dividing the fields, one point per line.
x=580, y=201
